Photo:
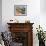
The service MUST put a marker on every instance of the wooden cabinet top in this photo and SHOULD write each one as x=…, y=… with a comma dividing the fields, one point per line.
x=17, y=27
x=20, y=23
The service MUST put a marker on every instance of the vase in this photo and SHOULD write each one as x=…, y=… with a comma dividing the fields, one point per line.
x=41, y=43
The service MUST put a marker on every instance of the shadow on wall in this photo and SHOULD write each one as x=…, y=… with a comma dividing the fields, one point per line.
x=43, y=6
x=0, y=15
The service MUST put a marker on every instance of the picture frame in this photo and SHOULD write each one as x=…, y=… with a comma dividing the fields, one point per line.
x=20, y=10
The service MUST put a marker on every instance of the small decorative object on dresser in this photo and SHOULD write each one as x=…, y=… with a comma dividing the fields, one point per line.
x=27, y=21
x=13, y=21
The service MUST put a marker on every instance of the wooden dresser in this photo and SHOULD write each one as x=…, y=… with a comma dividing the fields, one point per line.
x=22, y=33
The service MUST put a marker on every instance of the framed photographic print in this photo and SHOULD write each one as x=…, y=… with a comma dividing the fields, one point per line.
x=20, y=10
